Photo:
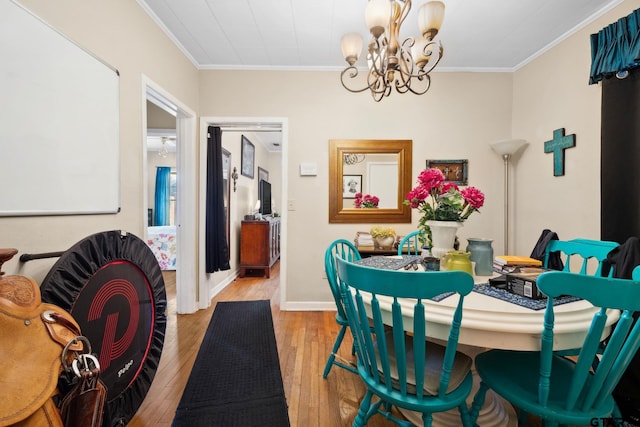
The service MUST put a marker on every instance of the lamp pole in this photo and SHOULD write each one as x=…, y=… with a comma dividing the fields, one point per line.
x=506, y=158
x=506, y=149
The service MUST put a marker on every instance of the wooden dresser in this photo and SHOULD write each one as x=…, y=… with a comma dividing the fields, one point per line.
x=259, y=245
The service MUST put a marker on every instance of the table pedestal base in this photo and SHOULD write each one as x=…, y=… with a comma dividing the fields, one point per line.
x=496, y=412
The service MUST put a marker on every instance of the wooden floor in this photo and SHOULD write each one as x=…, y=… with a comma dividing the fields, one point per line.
x=304, y=341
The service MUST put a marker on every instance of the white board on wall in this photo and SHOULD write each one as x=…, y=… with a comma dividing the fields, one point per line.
x=59, y=122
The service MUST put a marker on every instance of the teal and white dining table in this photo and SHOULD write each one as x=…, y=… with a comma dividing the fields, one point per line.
x=492, y=323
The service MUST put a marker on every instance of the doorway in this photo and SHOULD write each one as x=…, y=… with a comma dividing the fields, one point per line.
x=185, y=189
x=255, y=125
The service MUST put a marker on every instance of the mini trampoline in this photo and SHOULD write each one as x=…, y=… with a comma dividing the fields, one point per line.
x=112, y=285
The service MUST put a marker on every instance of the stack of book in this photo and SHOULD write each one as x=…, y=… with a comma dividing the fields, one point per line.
x=512, y=263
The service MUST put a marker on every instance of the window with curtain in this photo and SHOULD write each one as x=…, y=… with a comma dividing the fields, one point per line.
x=615, y=51
x=162, y=204
x=615, y=57
x=616, y=48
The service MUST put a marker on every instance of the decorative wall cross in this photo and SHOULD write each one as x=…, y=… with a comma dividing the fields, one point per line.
x=557, y=145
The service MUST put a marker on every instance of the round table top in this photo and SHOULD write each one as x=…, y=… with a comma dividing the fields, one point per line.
x=493, y=323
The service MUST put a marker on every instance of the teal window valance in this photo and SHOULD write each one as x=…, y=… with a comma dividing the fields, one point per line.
x=615, y=48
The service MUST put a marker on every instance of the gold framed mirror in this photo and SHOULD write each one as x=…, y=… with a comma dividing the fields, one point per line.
x=380, y=168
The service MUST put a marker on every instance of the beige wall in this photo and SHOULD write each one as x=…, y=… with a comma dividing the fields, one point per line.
x=552, y=92
x=123, y=35
x=457, y=119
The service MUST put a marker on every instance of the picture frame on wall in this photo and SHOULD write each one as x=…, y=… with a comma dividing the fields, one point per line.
x=263, y=174
x=455, y=171
x=248, y=156
x=351, y=185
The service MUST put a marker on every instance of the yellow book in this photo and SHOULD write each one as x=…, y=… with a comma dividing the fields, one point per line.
x=517, y=260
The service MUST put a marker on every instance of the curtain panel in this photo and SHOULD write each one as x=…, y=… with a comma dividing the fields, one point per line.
x=615, y=48
x=620, y=158
x=163, y=191
x=217, y=249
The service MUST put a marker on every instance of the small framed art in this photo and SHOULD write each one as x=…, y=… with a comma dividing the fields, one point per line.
x=456, y=171
x=263, y=174
x=351, y=185
x=248, y=153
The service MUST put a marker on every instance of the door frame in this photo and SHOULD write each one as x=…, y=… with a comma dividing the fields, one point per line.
x=186, y=211
x=223, y=121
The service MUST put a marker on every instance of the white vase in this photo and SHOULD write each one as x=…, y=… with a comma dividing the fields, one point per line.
x=443, y=236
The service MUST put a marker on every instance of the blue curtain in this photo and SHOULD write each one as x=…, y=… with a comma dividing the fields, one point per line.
x=615, y=48
x=163, y=188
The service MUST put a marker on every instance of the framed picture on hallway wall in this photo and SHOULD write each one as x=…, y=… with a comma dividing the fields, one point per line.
x=263, y=174
x=248, y=153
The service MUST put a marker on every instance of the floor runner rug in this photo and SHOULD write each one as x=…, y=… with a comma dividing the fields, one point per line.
x=236, y=378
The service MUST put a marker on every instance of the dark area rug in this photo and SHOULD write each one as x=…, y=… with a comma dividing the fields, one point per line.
x=236, y=379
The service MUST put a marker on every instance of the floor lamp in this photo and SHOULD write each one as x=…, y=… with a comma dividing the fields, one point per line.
x=506, y=149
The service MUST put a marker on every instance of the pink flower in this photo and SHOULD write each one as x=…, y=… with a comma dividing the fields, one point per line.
x=473, y=196
x=417, y=196
x=440, y=200
x=446, y=186
x=366, y=201
x=431, y=178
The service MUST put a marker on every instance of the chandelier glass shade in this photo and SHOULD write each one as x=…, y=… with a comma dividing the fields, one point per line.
x=391, y=64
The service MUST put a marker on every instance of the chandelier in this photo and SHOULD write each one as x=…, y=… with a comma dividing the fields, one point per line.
x=405, y=66
x=353, y=158
x=164, y=150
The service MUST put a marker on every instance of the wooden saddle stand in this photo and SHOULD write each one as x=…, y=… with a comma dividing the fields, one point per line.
x=38, y=341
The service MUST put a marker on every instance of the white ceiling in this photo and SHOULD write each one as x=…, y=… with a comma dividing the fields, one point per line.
x=478, y=35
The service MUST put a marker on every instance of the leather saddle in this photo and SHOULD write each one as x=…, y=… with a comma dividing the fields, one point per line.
x=33, y=336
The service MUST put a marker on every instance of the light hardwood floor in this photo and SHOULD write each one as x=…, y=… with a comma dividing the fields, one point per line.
x=304, y=342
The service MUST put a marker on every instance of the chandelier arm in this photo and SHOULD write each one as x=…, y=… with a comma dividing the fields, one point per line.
x=408, y=62
x=404, y=11
x=352, y=72
x=376, y=55
x=430, y=66
x=403, y=84
x=424, y=80
x=377, y=82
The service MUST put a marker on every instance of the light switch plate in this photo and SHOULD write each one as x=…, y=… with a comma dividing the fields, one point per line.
x=308, y=169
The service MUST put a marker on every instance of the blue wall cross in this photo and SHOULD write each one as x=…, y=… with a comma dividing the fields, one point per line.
x=557, y=145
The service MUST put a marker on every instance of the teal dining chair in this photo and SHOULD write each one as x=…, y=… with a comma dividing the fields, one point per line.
x=347, y=250
x=585, y=253
x=584, y=250
x=395, y=361
x=563, y=390
x=411, y=242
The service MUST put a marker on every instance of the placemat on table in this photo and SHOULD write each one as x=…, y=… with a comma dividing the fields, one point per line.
x=394, y=263
x=486, y=289
x=388, y=263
